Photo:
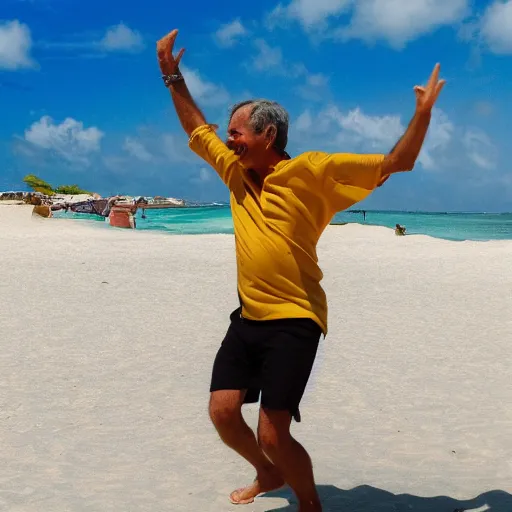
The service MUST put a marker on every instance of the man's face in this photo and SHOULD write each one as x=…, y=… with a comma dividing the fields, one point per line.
x=250, y=147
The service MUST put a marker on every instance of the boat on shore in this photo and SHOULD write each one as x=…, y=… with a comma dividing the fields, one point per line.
x=90, y=206
x=158, y=203
x=122, y=217
x=119, y=211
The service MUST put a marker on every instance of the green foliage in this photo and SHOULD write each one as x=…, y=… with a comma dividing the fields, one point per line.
x=39, y=185
x=45, y=191
x=71, y=190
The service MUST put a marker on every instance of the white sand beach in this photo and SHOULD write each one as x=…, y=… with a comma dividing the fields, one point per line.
x=108, y=338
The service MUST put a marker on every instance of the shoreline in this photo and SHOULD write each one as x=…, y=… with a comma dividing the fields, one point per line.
x=193, y=204
x=336, y=224
x=379, y=231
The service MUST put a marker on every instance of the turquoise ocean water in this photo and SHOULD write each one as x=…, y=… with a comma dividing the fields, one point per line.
x=217, y=219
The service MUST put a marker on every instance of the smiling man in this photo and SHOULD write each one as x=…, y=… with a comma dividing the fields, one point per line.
x=280, y=207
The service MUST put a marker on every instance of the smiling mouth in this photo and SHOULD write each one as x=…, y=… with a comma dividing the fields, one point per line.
x=239, y=150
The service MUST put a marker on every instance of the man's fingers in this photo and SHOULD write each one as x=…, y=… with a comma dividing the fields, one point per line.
x=419, y=91
x=433, y=88
x=164, y=49
x=161, y=49
x=172, y=38
x=166, y=44
x=178, y=57
x=434, y=77
x=439, y=87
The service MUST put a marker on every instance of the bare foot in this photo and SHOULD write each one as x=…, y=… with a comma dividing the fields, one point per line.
x=264, y=482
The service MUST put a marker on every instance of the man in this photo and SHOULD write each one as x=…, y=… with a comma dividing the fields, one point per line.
x=280, y=207
x=399, y=230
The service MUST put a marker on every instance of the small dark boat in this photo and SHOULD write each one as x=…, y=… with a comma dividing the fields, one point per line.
x=91, y=206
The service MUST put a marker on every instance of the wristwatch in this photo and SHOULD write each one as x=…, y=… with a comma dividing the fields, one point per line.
x=170, y=79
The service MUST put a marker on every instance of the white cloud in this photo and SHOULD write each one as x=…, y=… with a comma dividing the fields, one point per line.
x=270, y=58
x=121, y=38
x=137, y=149
x=15, y=46
x=175, y=149
x=309, y=13
x=230, y=33
x=373, y=132
x=267, y=58
x=315, y=88
x=381, y=133
x=304, y=122
x=204, y=176
x=202, y=90
x=496, y=27
x=395, y=21
x=69, y=139
x=481, y=150
x=401, y=21
x=117, y=38
x=356, y=131
x=438, y=138
x=484, y=108
x=154, y=148
x=352, y=131
x=317, y=80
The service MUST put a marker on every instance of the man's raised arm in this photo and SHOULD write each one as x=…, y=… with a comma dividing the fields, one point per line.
x=188, y=112
x=403, y=156
x=202, y=137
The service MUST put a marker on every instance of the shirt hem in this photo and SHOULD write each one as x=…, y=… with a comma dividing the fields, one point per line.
x=287, y=315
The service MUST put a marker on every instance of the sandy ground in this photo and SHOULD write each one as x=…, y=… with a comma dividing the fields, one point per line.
x=107, y=341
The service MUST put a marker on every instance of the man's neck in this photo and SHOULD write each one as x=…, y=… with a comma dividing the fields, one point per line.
x=264, y=170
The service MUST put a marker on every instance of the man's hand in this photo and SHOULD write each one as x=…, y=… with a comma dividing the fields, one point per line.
x=167, y=61
x=403, y=156
x=427, y=96
x=190, y=116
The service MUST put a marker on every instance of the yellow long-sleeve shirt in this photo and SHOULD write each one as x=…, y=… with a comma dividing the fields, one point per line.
x=278, y=223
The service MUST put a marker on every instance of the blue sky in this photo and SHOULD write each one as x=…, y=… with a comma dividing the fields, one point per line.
x=82, y=100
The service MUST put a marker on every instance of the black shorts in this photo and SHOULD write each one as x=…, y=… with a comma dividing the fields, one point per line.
x=271, y=357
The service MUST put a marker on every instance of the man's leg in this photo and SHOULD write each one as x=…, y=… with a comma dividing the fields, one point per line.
x=226, y=414
x=290, y=352
x=234, y=366
x=289, y=456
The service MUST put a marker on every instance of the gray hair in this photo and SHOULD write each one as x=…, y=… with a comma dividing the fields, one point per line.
x=265, y=113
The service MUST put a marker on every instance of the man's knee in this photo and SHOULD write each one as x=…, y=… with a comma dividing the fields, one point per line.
x=225, y=407
x=274, y=430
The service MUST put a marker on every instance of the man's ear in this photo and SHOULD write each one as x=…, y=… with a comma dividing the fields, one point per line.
x=271, y=134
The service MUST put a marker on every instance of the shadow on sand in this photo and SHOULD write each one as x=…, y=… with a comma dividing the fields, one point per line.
x=370, y=499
